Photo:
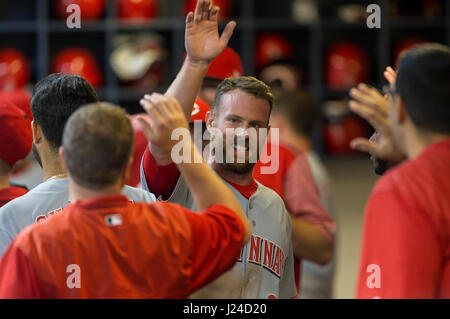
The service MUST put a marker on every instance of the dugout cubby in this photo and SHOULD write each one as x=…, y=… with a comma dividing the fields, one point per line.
x=33, y=27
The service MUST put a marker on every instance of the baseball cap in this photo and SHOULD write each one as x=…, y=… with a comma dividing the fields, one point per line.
x=19, y=98
x=227, y=64
x=15, y=133
x=199, y=111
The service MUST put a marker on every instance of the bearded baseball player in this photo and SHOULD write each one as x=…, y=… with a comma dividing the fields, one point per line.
x=104, y=246
x=265, y=268
x=57, y=96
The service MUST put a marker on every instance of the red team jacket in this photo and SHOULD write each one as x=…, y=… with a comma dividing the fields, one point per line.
x=406, y=239
x=9, y=193
x=111, y=248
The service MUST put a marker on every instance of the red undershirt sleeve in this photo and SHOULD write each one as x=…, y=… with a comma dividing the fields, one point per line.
x=401, y=253
x=18, y=279
x=161, y=180
x=218, y=235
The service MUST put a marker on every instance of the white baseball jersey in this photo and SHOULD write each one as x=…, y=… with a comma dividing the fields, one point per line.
x=265, y=268
x=45, y=199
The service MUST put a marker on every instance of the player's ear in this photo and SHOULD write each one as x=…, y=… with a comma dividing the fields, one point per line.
x=37, y=132
x=401, y=110
x=61, y=158
x=398, y=110
x=209, y=119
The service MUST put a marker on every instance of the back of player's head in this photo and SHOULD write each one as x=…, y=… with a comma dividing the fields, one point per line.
x=423, y=82
x=98, y=142
x=298, y=108
x=55, y=98
x=247, y=84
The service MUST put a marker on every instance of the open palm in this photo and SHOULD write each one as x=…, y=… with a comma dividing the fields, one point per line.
x=202, y=40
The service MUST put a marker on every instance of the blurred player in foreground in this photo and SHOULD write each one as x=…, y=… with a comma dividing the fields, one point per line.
x=104, y=246
x=405, y=238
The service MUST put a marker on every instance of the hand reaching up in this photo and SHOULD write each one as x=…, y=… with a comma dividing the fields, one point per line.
x=202, y=39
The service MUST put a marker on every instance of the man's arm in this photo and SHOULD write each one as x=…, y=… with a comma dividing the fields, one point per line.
x=401, y=255
x=312, y=226
x=206, y=187
x=203, y=44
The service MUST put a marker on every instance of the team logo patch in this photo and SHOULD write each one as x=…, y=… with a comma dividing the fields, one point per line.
x=113, y=220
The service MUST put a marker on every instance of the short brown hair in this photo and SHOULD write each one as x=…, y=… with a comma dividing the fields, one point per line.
x=248, y=84
x=98, y=141
x=299, y=108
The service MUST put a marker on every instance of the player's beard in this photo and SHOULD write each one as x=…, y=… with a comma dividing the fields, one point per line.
x=36, y=155
x=236, y=167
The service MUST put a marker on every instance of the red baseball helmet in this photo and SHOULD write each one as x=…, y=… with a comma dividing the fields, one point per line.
x=137, y=9
x=90, y=9
x=341, y=128
x=271, y=47
x=227, y=64
x=14, y=69
x=226, y=7
x=199, y=111
x=80, y=62
x=346, y=65
x=406, y=45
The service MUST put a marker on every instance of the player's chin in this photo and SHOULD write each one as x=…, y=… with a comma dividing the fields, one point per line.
x=239, y=168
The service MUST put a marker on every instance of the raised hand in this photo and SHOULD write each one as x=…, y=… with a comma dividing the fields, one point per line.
x=369, y=104
x=165, y=115
x=202, y=39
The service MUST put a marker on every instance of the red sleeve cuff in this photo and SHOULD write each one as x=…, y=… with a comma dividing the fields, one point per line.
x=161, y=180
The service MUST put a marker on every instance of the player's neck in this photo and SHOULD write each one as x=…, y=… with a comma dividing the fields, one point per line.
x=236, y=178
x=52, y=168
x=78, y=192
x=51, y=164
x=418, y=141
x=4, y=180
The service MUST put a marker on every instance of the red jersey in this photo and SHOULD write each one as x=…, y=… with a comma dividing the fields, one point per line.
x=111, y=248
x=9, y=193
x=295, y=184
x=406, y=239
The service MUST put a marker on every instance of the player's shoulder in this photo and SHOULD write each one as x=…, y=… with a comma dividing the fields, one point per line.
x=267, y=193
x=43, y=234
x=138, y=194
x=397, y=178
x=269, y=198
x=18, y=205
x=42, y=197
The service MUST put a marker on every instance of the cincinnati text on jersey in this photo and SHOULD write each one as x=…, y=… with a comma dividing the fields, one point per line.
x=267, y=254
